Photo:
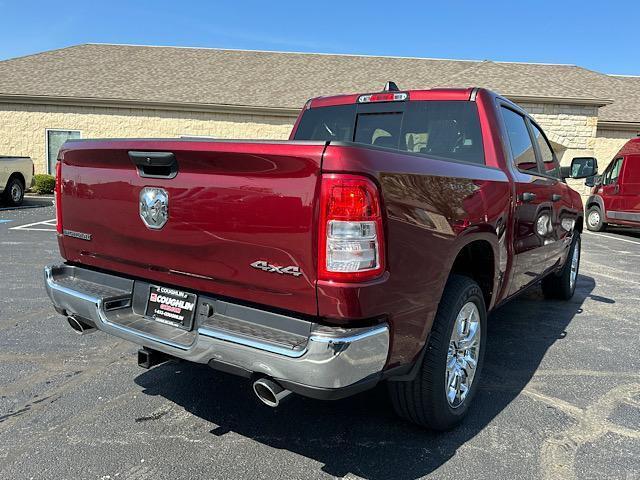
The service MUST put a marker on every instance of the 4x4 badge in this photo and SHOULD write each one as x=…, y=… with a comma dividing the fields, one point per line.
x=267, y=267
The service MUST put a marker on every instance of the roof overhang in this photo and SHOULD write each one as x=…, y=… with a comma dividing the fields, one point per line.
x=611, y=125
x=240, y=109
x=595, y=102
x=146, y=105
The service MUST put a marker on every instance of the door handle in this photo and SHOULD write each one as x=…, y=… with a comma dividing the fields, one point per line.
x=556, y=197
x=528, y=197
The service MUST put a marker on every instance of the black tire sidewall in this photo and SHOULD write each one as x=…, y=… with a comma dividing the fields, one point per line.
x=600, y=226
x=576, y=243
x=8, y=198
x=471, y=292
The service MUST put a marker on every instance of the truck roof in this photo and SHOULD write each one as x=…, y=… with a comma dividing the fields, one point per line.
x=430, y=94
x=632, y=147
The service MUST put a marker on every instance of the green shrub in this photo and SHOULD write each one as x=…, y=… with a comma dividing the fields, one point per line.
x=44, y=183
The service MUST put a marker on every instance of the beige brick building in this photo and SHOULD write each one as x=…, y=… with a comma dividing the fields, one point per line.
x=97, y=91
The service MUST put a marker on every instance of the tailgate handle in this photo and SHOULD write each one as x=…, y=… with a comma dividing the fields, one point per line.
x=155, y=164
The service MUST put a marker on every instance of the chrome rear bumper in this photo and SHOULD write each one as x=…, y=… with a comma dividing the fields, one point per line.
x=285, y=348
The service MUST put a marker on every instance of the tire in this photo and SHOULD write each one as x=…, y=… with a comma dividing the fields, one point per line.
x=14, y=192
x=424, y=400
x=562, y=285
x=595, y=219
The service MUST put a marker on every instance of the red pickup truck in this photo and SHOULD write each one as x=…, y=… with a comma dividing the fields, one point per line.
x=368, y=248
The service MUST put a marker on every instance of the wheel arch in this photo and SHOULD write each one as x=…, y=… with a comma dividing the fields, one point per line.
x=594, y=200
x=20, y=177
x=477, y=257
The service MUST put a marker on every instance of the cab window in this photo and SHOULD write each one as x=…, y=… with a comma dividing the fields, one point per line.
x=524, y=155
x=613, y=172
x=549, y=162
x=449, y=130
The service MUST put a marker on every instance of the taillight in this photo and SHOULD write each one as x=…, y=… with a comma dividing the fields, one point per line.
x=351, y=246
x=58, y=197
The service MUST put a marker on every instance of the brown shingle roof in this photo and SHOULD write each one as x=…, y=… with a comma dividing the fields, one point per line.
x=626, y=106
x=282, y=80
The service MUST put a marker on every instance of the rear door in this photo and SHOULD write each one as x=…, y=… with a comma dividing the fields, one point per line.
x=564, y=215
x=535, y=243
x=630, y=188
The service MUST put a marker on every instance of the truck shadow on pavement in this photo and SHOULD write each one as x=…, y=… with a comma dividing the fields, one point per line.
x=361, y=435
x=624, y=231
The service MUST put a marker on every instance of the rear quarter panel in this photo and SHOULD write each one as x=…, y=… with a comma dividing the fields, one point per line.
x=11, y=165
x=433, y=209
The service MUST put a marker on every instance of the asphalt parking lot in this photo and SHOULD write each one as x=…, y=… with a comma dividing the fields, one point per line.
x=560, y=396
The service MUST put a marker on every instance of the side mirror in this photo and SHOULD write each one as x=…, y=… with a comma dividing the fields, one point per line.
x=581, y=167
x=593, y=180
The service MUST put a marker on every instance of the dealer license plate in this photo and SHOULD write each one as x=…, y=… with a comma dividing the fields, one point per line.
x=171, y=306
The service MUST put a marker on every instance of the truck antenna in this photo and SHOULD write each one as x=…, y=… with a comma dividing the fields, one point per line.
x=391, y=87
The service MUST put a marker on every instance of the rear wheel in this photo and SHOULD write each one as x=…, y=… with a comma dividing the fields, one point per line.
x=14, y=192
x=595, y=219
x=562, y=285
x=445, y=384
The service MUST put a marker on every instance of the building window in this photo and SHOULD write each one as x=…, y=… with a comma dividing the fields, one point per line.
x=55, y=139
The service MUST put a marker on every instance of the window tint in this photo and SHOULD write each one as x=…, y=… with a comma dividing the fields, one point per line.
x=520, y=141
x=613, y=173
x=548, y=158
x=380, y=129
x=327, y=124
x=448, y=129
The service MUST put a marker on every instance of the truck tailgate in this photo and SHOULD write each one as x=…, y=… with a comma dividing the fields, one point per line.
x=230, y=205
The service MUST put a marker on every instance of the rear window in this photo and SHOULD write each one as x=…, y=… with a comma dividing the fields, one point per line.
x=446, y=129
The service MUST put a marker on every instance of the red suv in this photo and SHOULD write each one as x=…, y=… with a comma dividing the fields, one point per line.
x=615, y=195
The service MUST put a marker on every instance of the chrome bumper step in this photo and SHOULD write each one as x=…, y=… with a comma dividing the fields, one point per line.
x=279, y=346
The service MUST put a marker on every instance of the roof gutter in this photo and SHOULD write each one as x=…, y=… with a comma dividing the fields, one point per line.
x=146, y=105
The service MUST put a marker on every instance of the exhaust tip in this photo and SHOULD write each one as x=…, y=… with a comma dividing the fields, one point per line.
x=79, y=327
x=269, y=392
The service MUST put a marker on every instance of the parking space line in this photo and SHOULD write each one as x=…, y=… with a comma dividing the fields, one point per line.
x=35, y=226
x=615, y=238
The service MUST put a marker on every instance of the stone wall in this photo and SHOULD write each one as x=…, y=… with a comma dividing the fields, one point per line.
x=571, y=128
x=23, y=126
x=608, y=143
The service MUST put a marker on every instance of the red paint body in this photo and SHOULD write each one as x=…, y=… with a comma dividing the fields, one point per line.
x=618, y=194
x=233, y=203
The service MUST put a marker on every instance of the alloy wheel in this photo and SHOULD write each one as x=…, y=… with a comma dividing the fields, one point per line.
x=463, y=354
x=575, y=263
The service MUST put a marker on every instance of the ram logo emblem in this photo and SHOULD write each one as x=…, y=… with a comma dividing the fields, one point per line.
x=154, y=207
x=267, y=267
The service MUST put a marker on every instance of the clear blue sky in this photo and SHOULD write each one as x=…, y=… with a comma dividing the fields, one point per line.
x=600, y=35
